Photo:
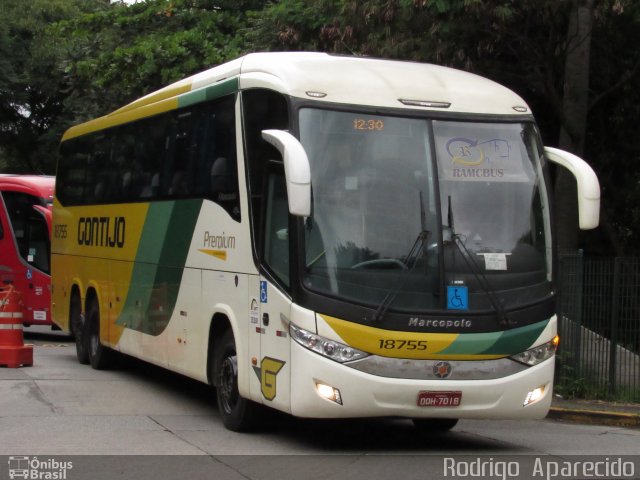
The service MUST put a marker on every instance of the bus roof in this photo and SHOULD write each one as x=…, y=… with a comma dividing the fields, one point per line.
x=38, y=185
x=329, y=78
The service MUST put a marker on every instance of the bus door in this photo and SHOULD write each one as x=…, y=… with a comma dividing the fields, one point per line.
x=273, y=368
x=8, y=253
x=38, y=256
x=25, y=249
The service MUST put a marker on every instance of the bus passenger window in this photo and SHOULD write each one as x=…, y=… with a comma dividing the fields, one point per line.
x=184, y=153
x=179, y=184
x=217, y=163
x=219, y=175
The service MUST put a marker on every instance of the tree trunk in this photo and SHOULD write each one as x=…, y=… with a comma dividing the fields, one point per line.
x=574, y=122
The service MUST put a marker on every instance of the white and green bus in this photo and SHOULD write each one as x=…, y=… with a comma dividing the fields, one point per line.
x=327, y=236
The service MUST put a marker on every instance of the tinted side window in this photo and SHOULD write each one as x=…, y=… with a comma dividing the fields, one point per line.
x=72, y=167
x=275, y=245
x=262, y=110
x=184, y=153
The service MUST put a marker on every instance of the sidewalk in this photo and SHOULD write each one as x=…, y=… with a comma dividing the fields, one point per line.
x=596, y=412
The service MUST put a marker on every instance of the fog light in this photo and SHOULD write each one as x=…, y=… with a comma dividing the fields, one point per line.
x=533, y=396
x=328, y=392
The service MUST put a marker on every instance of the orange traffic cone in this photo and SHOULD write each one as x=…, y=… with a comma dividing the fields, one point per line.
x=13, y=352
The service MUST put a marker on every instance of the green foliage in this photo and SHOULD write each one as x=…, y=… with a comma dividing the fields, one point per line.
x=571, y=383
x=80, y=59
x=120, y=53
x=29, y=98
x=115, y=55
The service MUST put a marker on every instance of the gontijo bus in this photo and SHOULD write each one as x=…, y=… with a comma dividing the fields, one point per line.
x=328, y=236
x=25, y=244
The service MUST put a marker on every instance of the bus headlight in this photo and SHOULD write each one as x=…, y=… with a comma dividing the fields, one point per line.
x=539, y=354
x=328, y=348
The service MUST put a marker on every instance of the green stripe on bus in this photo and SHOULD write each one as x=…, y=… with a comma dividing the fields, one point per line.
x=508, y=342
x=517, y=340
x=153, y=234
x=160, y=260
x=471, y=343
x=208, y=93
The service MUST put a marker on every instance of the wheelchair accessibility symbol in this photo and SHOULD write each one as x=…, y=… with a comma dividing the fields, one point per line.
x=263, y=291
x=457, y=297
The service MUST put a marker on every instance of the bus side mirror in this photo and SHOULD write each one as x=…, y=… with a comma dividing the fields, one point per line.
x=588, y=186
x=296, y=170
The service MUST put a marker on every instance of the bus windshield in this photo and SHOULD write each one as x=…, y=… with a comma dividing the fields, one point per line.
x=404, y=207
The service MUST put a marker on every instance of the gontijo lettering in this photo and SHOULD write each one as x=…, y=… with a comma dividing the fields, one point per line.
x=101, y=231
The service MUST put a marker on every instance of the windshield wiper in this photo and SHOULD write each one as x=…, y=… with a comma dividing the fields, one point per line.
x=420, y=244
x=477, y=272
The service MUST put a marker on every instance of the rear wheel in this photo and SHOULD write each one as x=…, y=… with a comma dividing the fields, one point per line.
x=238, y=413
x=99, y=355
x=79, y=329
x=434, y=425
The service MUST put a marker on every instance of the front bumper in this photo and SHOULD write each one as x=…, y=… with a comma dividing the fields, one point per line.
x=367, y=395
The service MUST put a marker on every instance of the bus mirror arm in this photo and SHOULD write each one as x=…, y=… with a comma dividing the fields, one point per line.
x=297, y=170
x=588, y=186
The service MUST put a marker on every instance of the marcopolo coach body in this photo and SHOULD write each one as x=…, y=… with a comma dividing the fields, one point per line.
x=328, y=236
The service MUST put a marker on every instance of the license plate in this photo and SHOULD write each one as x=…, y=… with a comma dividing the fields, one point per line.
x=439, y=399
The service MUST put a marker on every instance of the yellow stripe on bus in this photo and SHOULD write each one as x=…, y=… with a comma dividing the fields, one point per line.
x=398, y=344
x=170, y=91
x=221, y=254
x=126, y=116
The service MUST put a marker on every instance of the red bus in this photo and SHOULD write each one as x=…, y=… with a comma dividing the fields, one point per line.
x=25, y=241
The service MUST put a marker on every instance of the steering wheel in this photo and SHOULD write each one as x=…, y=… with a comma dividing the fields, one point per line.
x=381, y=262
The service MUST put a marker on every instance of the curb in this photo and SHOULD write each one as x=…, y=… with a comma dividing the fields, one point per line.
x=595, y=417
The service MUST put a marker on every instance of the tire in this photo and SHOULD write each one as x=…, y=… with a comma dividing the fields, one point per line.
x=79, y=329
x=238, y=414
x=100, y=356
x=434, y=425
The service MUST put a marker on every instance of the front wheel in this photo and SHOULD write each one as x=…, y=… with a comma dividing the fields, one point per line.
x=434, y=425
x=238, y=414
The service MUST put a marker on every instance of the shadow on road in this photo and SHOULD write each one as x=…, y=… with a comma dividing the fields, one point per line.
x=325, y=435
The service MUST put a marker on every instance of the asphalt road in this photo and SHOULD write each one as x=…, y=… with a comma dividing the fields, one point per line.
x=139, y=421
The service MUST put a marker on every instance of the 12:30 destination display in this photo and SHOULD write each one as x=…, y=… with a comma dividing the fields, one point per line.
x=368, y=124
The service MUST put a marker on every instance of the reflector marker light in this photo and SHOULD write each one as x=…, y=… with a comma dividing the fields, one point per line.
x=313, y=94
x=424, y=103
